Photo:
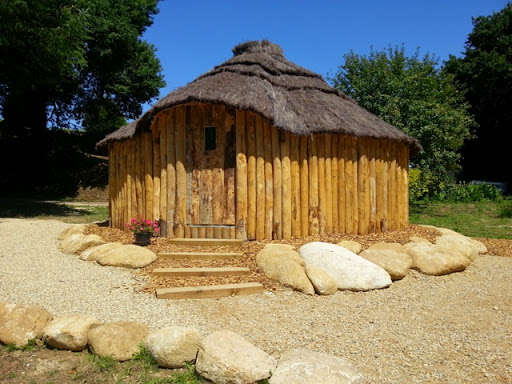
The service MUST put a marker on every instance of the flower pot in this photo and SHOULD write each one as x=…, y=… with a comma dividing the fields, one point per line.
x=142, y=238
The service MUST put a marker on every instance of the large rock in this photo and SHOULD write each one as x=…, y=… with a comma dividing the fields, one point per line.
x=481, y=247
x=418, y=239
x=227, y=358
x=21, y=323
x=391, y=257
x=69, y=331
x=459, y=243
x=129, y=256
x=77, y=243
x=302, y=366
x=323, y=283
x=432, y=259
x=92, y=254
x=352, y=246
x=71, y=230
x=173, y=347
x=119, y=340
x=278, y=246
x=286, y=267
x=350, y=271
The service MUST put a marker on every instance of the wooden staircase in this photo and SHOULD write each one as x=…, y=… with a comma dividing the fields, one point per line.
x=205, y=291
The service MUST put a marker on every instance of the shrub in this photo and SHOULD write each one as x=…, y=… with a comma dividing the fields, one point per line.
x=505, y=209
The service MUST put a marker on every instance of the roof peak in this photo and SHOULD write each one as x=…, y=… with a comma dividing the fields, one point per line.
x=258, y=46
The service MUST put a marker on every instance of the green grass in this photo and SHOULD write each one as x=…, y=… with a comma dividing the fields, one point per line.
x=35, y=209
x=482, y=219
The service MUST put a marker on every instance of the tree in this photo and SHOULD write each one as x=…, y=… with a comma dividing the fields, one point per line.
x=68, y=64
x=415, y=96
x=484, y=73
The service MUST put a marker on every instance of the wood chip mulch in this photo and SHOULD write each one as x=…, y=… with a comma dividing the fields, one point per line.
x=497, y=247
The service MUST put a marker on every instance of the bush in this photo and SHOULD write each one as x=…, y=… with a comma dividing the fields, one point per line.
x=505, y=209
x=424, y=186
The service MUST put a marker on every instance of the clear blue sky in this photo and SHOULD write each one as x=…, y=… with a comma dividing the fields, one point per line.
x=193, y=36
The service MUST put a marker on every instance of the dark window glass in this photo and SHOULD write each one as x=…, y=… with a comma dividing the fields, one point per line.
x=210, y=138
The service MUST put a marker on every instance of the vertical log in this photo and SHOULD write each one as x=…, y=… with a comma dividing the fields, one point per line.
x=342, y=186
x=269, y=182
x=148, y=161
x=139, y=173
x=218, y=196
x=286, y=186
x=322, y=193
x=229, y=169
x=385, y=185
x=304, y=186
x=133, y=155
x=129, y=162
x=251, y=175
x=155, y=134
x=111, y=184
x=260, y=180
x=314, y=225
x=399, y=187
x=194, y=161
x=181, y=173
x=163, y=173
x=295, y=184
x=278, y=185
x=241, y=177
x=206, y=162
x=334, y=182
x=328, y=183
x=363, y=189
x=373, y=186
x=171, y=172
x=392, y=219
x=379, y=180
x=406, y=185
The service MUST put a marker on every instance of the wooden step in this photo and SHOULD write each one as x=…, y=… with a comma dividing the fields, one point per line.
x=207, y=242
x=209, y=291
x=222, y=271
x=199, y=255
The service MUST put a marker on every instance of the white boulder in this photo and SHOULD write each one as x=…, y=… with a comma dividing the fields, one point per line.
x=129, y=256
x=173, y=347
x=302, y=366
x=227, y=358
x=350, y=271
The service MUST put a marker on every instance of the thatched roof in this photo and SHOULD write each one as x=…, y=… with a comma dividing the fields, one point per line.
x=259, y=78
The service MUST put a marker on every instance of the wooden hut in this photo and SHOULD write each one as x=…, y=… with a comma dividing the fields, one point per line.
x=259, y=148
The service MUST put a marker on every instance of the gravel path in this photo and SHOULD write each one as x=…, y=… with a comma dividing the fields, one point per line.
x=448, y=329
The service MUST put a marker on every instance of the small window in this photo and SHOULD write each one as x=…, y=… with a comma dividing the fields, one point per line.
x=210, y=139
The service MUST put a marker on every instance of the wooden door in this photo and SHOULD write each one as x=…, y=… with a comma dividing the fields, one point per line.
x=210, y=134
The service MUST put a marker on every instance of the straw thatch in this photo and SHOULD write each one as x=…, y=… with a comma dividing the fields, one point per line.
x=259, y=78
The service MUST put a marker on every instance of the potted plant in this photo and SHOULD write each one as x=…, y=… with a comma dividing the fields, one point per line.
x=142, y=229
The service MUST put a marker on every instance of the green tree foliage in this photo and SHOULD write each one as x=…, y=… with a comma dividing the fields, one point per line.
x=68, y=64
x=484, y=73
x=414, y=95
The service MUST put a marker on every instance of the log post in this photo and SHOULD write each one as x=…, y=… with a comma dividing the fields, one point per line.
x=278, y=185
x=328, y=183
x=304, y=188
x=181, y=173
x=295, y=185
x=313, y=186
x=286, y=186
x=260, y=179
x=251, y=175
x=269, y=182
x=171, y=172
x=241, y=177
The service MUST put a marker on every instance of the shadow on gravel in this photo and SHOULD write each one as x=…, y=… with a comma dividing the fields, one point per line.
x=26, y=208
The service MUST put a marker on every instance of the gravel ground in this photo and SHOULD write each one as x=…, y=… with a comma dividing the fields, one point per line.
x=448, y=329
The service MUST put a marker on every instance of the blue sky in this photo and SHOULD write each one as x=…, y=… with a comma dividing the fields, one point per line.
x=193, y=36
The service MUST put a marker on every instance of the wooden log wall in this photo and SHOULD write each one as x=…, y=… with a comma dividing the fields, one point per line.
x=284, y=185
